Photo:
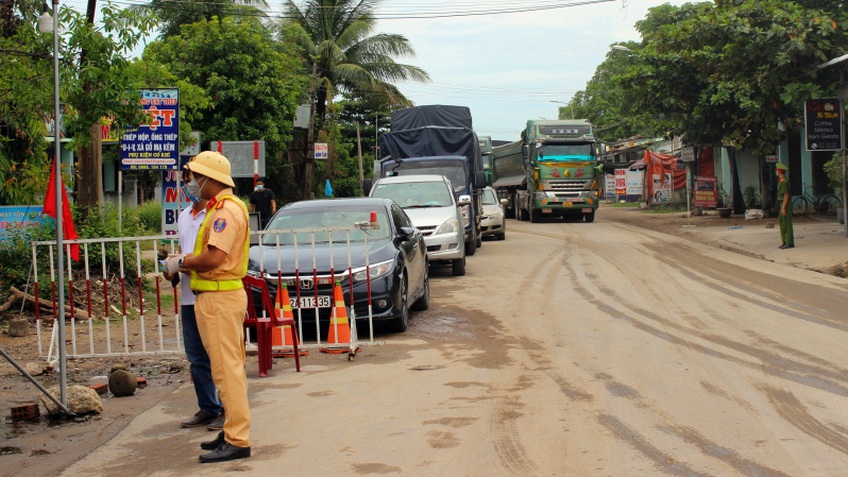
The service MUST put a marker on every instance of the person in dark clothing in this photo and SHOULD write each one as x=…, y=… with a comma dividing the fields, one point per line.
x=262, y=200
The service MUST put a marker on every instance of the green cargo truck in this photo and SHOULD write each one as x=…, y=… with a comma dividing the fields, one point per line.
x=551, y=171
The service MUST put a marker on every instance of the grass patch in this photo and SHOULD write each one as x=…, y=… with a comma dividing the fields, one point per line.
x=666, y=209
x=625, y=205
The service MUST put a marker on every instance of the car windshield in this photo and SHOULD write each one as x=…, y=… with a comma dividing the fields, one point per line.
x=318, y=221
x=565, y=152
x=489, y=197
x=415, y=194
x=454, y=170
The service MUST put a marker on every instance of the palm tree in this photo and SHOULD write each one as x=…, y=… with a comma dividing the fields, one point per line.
x=335, y=38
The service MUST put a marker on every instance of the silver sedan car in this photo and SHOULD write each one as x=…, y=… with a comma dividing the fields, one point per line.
x=493, y=221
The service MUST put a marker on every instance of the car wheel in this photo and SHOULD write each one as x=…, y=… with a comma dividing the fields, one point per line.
x=501, y=236
x=458, y=267
x=401, y=323
x=589, y=218
x=424, y=302
x=479, y=241
x=471, y=247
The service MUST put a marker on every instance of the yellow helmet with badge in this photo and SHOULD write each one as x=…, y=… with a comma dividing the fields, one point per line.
x=212, y=165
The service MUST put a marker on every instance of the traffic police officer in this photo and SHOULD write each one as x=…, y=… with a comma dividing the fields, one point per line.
x=216, y=268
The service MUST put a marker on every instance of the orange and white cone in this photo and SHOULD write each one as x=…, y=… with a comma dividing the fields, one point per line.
x=282, y=338
x=338, y=337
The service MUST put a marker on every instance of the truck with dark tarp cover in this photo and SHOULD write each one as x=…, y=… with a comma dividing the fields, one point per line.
x=551, y=171
x=438, y=139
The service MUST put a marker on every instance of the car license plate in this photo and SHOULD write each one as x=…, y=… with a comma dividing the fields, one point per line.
x=547, y=211
x=309, y=302
x=586, y=210
x=567, y=204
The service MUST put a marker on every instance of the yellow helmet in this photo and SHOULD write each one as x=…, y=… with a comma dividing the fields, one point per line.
x=212, y=165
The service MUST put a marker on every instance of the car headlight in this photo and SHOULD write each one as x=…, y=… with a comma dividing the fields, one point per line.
x=448, y=227
x=375, y=270
x=497, y=216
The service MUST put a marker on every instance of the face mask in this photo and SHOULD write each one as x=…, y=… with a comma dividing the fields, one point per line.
x=193, y=198
x=194, y=189
x=260, y=187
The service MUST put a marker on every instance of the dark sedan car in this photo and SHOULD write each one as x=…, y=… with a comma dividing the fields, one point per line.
x=313, y=243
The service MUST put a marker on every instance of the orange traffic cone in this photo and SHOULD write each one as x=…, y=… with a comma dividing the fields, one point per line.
x=338, y=338
x=282, y=337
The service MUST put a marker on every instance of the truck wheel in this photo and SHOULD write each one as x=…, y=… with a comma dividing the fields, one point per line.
x=458, y=266
x=589, y=218
x=534, y=216
x=471, y=247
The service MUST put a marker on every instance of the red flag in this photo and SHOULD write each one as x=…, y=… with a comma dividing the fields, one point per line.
x=68, y=230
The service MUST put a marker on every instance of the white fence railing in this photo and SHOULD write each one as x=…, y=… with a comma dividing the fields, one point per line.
x=111, y=291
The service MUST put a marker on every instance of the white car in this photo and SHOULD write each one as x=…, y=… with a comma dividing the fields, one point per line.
x=429, y=202
x=493, y=221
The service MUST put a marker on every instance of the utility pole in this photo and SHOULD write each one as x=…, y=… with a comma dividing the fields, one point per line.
x=309, y=166
x=359, y=153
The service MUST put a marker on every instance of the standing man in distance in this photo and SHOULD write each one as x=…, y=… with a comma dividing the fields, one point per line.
x=210, y=412
x=787, y=234
x=263, y=201
x=216, y=268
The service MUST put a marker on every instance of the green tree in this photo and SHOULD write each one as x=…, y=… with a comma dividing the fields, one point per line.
x=174, y=15
x=733, y=72
x=344, y=55
x=26, y=102
x=96, y=84
x=248, y=85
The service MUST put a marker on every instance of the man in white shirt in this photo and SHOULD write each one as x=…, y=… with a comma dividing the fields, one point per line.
x=211, y=413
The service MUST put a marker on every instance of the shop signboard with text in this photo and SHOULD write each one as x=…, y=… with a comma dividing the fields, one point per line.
x=155, y=145
x=823, y=124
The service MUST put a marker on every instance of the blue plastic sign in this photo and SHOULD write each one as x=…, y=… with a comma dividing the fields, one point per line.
x=155, y=145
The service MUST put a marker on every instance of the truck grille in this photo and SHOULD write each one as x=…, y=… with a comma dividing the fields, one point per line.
x=566, y=186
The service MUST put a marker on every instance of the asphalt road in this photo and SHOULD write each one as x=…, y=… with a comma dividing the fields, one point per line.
x=568, y=349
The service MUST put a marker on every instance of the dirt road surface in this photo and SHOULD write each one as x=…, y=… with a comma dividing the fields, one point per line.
x=568, y=349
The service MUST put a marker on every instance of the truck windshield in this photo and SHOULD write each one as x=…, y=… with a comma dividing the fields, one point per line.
x=453, y=170
x=415, y=194
x=565, y=152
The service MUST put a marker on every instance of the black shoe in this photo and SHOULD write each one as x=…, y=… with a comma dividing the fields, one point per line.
x=217, y=424
x=201, y=418
x=212, y=445
x=784, y=246
x=225, y=452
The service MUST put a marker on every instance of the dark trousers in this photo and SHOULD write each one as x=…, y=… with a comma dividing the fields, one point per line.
x=201, y=370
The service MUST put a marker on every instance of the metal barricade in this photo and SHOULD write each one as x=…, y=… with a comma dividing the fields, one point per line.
x=110, y=299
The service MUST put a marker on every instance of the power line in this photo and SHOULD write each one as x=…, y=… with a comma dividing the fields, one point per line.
x=417, y=11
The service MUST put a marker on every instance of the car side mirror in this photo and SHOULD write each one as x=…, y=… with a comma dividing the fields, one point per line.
x=480, y=179
x=407, y=232
x=504, y=202
x=464, y=199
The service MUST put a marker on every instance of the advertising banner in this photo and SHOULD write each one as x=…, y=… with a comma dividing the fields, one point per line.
x=823, y=122
x=609, y=186
x=634, y=183
x=155, y=145
x=621, y=182
x=705, y=192
x=174, y=200
x=662, y=187
x=20, y=216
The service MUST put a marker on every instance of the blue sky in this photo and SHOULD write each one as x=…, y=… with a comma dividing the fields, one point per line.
x=509, y=68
